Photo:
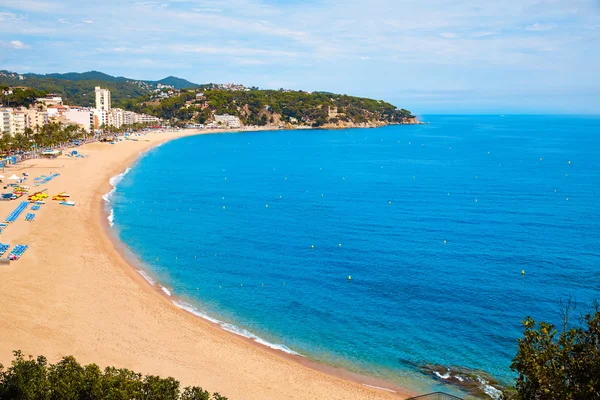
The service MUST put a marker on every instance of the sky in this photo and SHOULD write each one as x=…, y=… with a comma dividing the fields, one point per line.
x=429, y=56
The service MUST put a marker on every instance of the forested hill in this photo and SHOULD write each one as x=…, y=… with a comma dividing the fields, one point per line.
x=268, y=107
x=78, y=88
x=199, y=103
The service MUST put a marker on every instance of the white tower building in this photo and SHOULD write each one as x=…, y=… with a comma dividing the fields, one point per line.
x=102, y=99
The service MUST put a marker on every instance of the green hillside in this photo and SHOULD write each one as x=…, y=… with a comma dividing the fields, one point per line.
x=78, y=88
x=252, y=106
x=264, y=107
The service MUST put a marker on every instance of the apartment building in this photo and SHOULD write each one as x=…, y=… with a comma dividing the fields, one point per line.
x=102, y=99
x=227, y=120
x=5, y=121
x=84, y=117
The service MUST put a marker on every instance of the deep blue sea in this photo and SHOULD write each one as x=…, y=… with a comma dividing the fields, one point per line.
x=434, y=224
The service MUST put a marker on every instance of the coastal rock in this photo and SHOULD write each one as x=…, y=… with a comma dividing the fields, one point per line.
x=346, y=124
x=474, y=382
x=410, y=121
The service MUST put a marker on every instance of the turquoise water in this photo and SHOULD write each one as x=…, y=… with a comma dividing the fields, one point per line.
x=434, y=224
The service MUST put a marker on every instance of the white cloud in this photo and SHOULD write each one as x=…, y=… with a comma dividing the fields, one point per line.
x=449, y=35
x=207, y=10
x=88, y=21
x=483, y=34
x=17, y=44
x=540, y=27
x=8, y=16
x=228, y=51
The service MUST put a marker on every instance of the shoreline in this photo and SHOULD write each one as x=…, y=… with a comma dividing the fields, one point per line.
x=154, y=285
x=89, y=300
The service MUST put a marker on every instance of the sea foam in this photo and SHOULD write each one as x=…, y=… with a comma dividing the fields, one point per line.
x=111, y=217
x=147, y=277
x=379, y=388
x=233, y=328
x=114, y=181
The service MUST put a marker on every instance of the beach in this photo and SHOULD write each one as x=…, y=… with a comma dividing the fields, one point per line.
x=76, y=292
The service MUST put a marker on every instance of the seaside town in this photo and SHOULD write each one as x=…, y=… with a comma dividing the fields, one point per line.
x=103, y=117
x=50, y=109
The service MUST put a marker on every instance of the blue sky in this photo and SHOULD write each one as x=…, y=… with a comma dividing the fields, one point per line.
x=430, y=56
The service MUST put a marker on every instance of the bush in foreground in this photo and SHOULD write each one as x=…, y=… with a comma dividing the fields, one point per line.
x=565, y=364
x=36, y=379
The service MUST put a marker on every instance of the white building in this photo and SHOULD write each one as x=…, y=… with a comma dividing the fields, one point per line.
x=145, y=119
x=102, y=99
x=5, y=121
x=83, y=117
x=101, y=117
x=50, y=100
x=118, y=117
x=227, y=120
x=18, y=121
x=128, y=117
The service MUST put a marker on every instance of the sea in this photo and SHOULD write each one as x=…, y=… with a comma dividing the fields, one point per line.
x=379, y=251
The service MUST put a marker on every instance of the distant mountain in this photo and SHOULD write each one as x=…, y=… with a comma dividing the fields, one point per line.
x=84, y=76
x=177, y=83
x=78, y=88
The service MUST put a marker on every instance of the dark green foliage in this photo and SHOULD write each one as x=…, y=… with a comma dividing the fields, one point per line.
x=177, y=83
x=195, y=393
x=21, y=97
x=35, y=379
x=565, y=365
x=76, y=76
x=171, y=108
x=250, y=106
x=78, y=89
x=81, y=93
x=257, y=107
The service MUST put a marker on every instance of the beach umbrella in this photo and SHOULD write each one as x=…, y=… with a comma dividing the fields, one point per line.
x=14, y=178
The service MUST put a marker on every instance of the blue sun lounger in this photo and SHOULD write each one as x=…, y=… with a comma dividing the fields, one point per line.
x=17, y=251
x=3, y=248
x=12, y=217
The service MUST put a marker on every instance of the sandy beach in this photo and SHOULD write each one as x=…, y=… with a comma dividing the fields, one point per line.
x=74, y=293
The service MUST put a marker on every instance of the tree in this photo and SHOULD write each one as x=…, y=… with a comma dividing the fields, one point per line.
x=20, y=141
x=35, y=379
x=565, y=365
x=26, y=379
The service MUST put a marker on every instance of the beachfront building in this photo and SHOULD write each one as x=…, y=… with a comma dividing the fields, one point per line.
x=128, y=117
x=18, y=121
x=36, y=118
x=230, y=121
x=5, y=121
x=84, y=117
x=22, y=118
x=146, y=119
x=102, y=99
x=101, y=118
x=118, y=117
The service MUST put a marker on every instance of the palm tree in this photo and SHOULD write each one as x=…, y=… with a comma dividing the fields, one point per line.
x=20, y=141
